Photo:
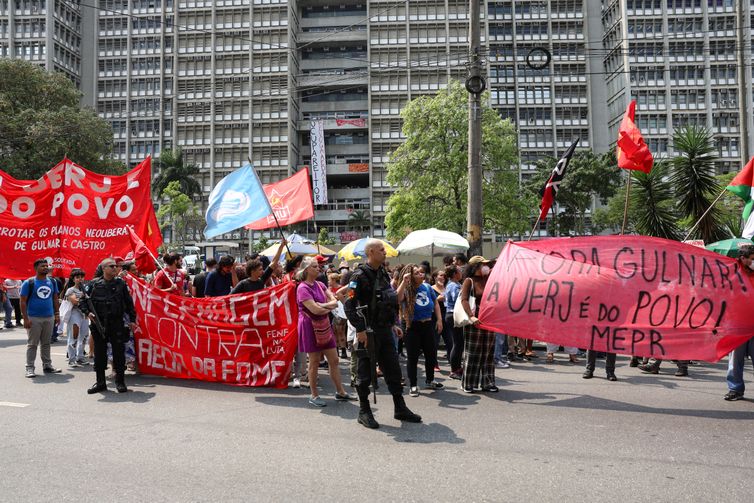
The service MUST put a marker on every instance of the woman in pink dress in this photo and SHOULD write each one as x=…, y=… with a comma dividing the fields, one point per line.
x=315, y=302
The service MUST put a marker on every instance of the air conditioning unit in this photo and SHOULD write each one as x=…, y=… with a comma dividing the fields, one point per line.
x=723, y=103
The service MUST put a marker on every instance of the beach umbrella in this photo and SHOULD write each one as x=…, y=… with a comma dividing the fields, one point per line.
x=433, y=242
x=299, y=245
x=729, y=247
x=355, y=249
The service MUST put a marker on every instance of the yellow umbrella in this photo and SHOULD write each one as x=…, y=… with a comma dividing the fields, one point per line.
x=355, y=250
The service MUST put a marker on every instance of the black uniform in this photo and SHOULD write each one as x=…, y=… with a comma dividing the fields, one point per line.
x=111, y=301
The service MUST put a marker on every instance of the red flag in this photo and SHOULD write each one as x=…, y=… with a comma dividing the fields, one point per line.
x=142, y=256
x=632, y=152
x=291, y=200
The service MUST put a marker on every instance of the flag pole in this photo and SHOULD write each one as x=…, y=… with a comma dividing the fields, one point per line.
x=274, y=216
x=625, y=206
x=539, y=219
x=705, y=214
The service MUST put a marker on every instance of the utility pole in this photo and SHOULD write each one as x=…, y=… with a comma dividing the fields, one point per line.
x=475, y=85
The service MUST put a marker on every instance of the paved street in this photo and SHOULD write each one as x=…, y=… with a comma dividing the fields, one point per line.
x=549, y=435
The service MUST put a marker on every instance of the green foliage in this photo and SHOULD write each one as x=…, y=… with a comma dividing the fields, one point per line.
x=694, y=182
x=170, y=167
x=178, y=213
x=652, y=201
x=430, y=169
x=324, y=237
x=589, y=177
x=41, y=122
x=359, y=220
x=262, y=244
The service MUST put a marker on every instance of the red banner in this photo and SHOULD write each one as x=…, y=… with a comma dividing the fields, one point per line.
x=621, y=294
x=291, y=200
x=242, y=340
x=351, y=122
x=74, y=218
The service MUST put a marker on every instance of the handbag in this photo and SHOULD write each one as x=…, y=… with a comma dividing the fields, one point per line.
x=323, y=332
x=460, y=318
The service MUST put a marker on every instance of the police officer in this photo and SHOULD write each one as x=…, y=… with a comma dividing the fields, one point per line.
x=370, y=286
x=111, y=300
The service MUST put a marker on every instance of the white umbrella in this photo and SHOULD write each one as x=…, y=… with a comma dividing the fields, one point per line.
x=433, y=242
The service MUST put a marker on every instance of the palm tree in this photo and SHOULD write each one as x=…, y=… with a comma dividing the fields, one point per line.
x=359, y=220
x=652, y=204
x=693, y=177
x=171, y=167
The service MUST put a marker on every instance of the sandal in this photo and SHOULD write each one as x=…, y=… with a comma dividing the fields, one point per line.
x=550, y=358
x=573, y=358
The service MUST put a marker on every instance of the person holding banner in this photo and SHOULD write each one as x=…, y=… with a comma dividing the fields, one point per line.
x=315, y=333
x=479, y=344
x=737, y=358
x=109, y=301
x=172, y=278
x=257, y=274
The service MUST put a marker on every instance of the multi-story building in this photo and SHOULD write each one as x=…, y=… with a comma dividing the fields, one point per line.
x=231, y=80
x=685, y=63
x=48, y=33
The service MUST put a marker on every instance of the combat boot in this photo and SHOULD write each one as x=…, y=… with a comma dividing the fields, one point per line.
x=403, y=413
x=100, y=385
x=120, y=383
x=365, y=416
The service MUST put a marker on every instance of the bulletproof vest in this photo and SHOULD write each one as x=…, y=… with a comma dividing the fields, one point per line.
x=107, y=298
x=386, y=299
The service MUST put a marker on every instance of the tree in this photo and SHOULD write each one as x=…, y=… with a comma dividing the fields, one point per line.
x=324, y=237
x=589, y=177
x=261, y=244
x=431, y=174
x=652, y=200
x=42, y=121
x=693, y=178
x=359, y=220
x=177, y=213
x=171, y=167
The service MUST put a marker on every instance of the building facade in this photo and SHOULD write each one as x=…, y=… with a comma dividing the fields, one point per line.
x=232, y=80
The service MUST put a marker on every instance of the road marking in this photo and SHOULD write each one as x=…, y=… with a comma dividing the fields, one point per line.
x=13, y=404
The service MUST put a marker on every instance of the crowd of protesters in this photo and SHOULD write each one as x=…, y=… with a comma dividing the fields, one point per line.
x=427, y=296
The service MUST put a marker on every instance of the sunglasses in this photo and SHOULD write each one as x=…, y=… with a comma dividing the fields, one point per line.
x=111, y=265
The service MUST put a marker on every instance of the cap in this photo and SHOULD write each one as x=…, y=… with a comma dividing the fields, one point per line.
x=478, y=259
x=118, y=260
x=320, y=259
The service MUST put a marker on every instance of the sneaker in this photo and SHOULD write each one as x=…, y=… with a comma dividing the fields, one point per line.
x=502, y=364
x=73, y=365
x=51, y=370
x=681, y=373
x=30, y=373
x=491, y=389
x=344, y=397
x=588, y=374
x=83, y=363
x=731, y=396
x=434, y=385
x=467, y=389
x=455, y=375
x=317, y=401
x=296, y=382
x=414, y=391
x=634, y=362
x=649, y=369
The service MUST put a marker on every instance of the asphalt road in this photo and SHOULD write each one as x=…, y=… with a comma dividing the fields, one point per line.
x=549, y=435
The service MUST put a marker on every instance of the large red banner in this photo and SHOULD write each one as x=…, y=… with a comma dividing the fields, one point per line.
x=74, y=218
x=242, y=340
x=291, y=201
x=621, y=294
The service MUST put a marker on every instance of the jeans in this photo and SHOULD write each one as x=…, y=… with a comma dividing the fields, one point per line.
x=736, y=362
x=76, y=345
x=421, y=338
x=501, y=347
x=456, y=353
x=591, y=361
x=39, y=334
x=8, y=308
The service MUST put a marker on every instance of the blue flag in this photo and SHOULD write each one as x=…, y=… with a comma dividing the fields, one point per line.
x=237, y=200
